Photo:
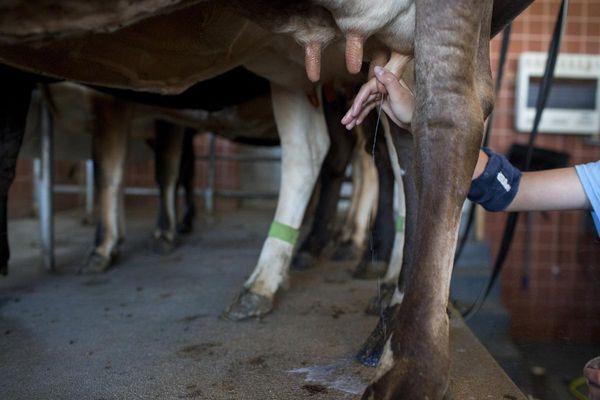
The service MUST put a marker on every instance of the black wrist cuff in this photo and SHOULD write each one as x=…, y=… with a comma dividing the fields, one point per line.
x=497, y=186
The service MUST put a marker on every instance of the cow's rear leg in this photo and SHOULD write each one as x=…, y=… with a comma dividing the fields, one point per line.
x=167, y=155
x=109, y=149
x=376, y=255
x=186, y=180
x=363, y=206
x=399, y=144
x=451, y=49
x=304, y=144
x=14, y=102
x=331, y=179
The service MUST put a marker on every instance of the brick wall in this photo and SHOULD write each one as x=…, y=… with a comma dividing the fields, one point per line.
x=138, y=174
x=20, y=201
x=562, y=298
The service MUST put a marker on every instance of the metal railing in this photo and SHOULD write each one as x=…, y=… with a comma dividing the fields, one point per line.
x=44, y=187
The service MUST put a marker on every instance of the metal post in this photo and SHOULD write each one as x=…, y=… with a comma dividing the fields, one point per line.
x=209, y=194
x=89, y=191
x=45, y=188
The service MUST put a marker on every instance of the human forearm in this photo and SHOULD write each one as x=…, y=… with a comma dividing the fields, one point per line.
x=555, y=189
x=481, y=163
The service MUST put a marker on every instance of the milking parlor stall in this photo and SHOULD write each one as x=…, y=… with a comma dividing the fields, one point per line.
x=263, y=199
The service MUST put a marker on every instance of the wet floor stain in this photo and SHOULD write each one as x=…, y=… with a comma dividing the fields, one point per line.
x=339, y=376
x=96, y=282
x=193, y=392
x=314, y=389
x=336, y=312
x=258, y=361
x=191, y=318
x=199, y=351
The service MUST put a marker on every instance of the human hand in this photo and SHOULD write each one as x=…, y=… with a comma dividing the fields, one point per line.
x=592, y=374
x=398, y=100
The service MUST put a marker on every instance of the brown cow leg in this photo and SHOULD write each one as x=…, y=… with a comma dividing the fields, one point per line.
x=168, y=149
x=112, y=119
x=391, y=297
x=364, y=198
x=403, y=149
x=375, y=257
x=450, y=38
x=186, y=180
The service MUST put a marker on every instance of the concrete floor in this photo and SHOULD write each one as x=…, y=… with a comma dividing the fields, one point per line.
x=150, y=328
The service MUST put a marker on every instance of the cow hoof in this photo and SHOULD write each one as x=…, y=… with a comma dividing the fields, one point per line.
x=248, y=305
x=96, y=263
x=406, y=389
x=367, y=269
x=403, y=391
x=163, y=246
x=418, y=368
x=345, y=252
x=4, y=268
x=303, y=260
x=370, y=352
x=382, y=300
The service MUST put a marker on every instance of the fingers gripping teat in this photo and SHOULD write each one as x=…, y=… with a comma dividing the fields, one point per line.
x=354, y=52
x=312, y=60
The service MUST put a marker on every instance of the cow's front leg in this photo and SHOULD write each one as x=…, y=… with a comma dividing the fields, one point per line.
x=14, y=102
x=109, y=150
x=304, y=144
x=167, y=156
x=451, y=46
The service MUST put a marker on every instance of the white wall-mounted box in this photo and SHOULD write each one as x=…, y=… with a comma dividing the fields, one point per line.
x=573, y=106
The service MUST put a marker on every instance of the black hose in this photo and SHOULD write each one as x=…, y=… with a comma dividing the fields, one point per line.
x=542, y=99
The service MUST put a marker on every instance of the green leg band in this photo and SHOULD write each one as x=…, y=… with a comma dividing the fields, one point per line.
x=284, y=232
x=400, y=223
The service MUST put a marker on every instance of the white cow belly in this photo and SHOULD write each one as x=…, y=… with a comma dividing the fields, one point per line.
x=393, y=22
x=399, y=34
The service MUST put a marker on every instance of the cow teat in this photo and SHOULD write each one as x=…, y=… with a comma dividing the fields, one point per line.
x=312, y=60
x=354, y=51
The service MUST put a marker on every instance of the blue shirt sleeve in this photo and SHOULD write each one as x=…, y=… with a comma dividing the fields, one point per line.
x=589, y=175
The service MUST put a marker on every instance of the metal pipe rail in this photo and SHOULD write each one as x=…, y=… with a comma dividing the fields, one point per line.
x=241, y=158
x=150, y=191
